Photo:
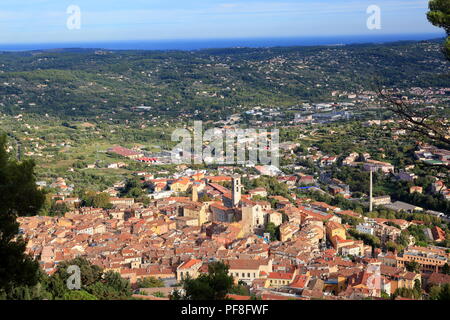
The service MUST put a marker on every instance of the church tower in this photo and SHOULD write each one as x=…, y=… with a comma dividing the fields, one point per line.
x=194, y=193
x=237, y=190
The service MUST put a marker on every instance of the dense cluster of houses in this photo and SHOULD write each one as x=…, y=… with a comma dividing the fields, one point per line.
x=367, y=163
x=178, y=236
x=432, y=155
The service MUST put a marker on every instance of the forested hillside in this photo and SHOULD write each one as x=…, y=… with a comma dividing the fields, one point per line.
x=215, y=82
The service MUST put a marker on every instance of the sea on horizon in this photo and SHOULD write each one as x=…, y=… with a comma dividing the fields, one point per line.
x=198, y=44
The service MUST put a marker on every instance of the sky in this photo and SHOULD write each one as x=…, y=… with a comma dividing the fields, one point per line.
x=45, y=21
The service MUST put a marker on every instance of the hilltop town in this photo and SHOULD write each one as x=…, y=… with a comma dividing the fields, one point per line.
x=280, y=246
x=357, y=207
x=314, y=227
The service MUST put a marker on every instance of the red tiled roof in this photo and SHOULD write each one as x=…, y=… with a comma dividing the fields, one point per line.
x=218, y=178
x=123, y=151
x=280, y=275
x=189, y=264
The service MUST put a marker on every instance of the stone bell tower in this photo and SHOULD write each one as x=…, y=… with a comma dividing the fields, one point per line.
x=237, y=190
x=194, y=193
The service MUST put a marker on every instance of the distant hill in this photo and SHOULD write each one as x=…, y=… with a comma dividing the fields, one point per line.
x=215, y=82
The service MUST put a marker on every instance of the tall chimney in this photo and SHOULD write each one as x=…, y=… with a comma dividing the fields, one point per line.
x=371, y=191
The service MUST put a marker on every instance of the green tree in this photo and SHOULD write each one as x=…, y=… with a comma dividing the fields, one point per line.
x=176, y=295
x=150, y=282
x=412, y=266
x=444, y=293
x=19, y=196
x=102, y=291
x=103, y=286
x=58, y=209
x=240, y=289
x=116, y=282
x=446, y=269
x=204, y=198
x=384, y=295
x=273, y=230
x=417, y=289
x=158, y=294
x=90, y=273
x=97, y=200
x=36, y=292
x=133, y=188
x=212, y=286
x=407, y=293
x=434, y=292
x=426, y=124
x=78, y=295
x=392, y=246
x=439, y=16
x=368, y=239
x=56, y=286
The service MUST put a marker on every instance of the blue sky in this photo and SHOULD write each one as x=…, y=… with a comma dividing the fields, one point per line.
x=43, y=21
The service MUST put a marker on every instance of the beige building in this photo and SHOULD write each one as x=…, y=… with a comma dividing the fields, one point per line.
x=429, y=259
x=248, y=270
x=287, y=231
x=181, y=185
x=253, y=216
x=186, y=222
x=99, y=228
x=279, y=279
x=275, y=217
x=122, y=201
x=197, y=210
x=189, y=269
x=378, y=201
x=258, y=192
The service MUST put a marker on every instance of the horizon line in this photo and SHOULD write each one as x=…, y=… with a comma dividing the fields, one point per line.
x=94, y=44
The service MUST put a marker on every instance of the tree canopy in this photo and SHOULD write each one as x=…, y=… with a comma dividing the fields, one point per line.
x=214, y=285
x=19, y=196
x=439, y=16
